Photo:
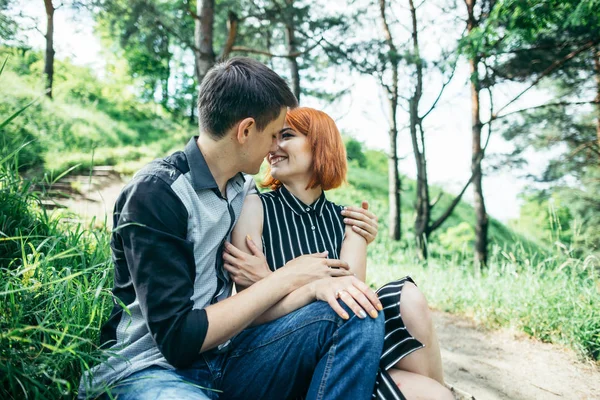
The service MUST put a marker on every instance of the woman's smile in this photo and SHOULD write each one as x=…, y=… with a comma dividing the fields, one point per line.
x=276, y=159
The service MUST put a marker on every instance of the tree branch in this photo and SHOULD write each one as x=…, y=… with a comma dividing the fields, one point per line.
x=232, y=25
x=437, y=199
x=190, y=11
x=438, y=222
x=560, y=103
x=556, y=64
x=439, y=96
x=243, y=49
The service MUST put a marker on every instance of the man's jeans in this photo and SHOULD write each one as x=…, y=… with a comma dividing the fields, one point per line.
x=311, y=352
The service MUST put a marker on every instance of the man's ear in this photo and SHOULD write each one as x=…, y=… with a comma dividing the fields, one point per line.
x=244, y=128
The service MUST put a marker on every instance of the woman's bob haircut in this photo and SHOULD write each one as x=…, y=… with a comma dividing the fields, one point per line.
x=329, y=164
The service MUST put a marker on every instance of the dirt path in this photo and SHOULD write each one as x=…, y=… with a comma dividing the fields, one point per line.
x=491, y=365
x=502, y=364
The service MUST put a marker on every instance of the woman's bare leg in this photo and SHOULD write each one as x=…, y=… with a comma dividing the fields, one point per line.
x=418, y=321
x=418, y=387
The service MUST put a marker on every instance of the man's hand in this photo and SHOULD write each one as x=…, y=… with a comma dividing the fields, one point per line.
x=311, y=267
x=352, y=291
x=245, y=269
x=363, y=221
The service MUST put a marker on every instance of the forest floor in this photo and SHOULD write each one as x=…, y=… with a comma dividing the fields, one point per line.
x=487, y=364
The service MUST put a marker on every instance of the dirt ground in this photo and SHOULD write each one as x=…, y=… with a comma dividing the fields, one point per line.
x=503, y=364
x=498, y=364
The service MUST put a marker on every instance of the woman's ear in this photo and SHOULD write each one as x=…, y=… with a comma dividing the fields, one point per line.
x=244, y=128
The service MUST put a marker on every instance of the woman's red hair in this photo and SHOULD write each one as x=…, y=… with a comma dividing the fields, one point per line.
x=329, y=164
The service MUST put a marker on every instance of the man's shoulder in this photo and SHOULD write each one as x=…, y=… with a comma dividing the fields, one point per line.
x=167, y=169
x=154, y=181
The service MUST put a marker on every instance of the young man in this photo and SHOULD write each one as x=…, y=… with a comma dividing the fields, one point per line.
x=182, y=335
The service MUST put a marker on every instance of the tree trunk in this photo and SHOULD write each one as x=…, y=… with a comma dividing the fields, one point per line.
x=292, y=48
x=596, y=51
x=394, y=185
x=165, y=80
x=49, y=59
x=395, y=216
x=203, y=38
x=422, y=219
x=481, y=219
x=193, y=110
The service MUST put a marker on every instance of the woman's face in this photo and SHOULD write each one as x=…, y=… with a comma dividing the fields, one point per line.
x=292, y=159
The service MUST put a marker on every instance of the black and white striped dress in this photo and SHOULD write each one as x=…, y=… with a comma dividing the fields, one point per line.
x=292, y=228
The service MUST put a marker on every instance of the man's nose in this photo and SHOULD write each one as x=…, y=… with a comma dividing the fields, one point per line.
x=274, y=145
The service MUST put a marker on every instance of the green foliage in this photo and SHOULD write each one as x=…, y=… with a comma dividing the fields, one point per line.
x=459, y=238
x=88, y=118
x=570, y=177
x=8, y=26
x=354, y=152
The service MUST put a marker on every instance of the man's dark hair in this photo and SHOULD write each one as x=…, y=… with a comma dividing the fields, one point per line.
x=241, y=88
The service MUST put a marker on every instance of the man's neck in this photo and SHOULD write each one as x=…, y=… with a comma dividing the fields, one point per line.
x=307, y=196
x=218, y=158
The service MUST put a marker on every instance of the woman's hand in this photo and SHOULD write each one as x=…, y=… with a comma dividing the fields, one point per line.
x=352, y=291
x=245, y=269
x=363, y=221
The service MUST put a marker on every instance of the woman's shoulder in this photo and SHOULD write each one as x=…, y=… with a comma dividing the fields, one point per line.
x=252, y=211
x=333, y=205
x=252, y=202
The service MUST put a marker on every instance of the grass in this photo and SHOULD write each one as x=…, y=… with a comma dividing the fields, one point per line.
x=551, y=302
x=54, y=294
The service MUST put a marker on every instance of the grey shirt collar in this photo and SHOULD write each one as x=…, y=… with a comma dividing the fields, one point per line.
x=201, y=176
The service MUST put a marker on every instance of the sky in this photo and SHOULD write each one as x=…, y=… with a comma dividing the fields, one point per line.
x=362, y=113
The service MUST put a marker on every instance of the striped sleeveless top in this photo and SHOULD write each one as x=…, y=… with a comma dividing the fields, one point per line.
x=292, y=228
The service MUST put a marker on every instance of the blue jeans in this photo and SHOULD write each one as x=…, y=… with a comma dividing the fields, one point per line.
x=310, y=352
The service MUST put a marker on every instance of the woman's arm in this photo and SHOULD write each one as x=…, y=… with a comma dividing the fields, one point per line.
x=354, y=252
x=249, y=223
x=249, y=226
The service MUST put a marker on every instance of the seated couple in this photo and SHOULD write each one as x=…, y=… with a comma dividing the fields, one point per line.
x=303, y=323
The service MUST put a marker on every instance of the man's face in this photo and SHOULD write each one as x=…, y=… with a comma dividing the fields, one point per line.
x=260, y=143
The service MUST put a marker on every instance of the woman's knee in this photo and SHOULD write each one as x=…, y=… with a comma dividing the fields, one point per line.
x=416, y=386
x=415, y=310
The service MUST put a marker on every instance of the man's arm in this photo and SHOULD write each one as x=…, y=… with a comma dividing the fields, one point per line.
x=152, y=228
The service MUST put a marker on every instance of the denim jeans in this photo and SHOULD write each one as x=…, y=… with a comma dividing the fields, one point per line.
x=310, y=352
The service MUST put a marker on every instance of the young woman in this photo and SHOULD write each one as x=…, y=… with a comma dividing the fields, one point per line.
x=296, y=219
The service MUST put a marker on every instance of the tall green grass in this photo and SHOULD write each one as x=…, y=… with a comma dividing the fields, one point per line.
x=54, y=294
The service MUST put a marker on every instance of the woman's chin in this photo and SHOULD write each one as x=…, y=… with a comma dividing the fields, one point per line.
x=279, y=176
